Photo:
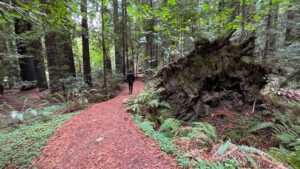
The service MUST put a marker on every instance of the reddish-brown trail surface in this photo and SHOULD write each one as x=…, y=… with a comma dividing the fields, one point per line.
x=103, y=137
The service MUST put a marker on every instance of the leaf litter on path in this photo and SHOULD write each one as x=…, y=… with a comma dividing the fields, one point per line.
x=103, y=137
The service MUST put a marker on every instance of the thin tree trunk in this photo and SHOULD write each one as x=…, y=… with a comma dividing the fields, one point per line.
x=124, y=58
x=126, y=37
x=291, y=15
x=103, y=45
x=274, y=34
x=85, y=45
x=243, y=21
x=266, y=48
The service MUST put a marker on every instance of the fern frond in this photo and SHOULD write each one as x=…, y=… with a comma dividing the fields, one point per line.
x=252, y=161
x=209, y=129
x=222, y=150
x=262, y=126
x=165, y=104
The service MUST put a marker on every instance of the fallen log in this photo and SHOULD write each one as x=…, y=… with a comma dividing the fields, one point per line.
x=213, y=74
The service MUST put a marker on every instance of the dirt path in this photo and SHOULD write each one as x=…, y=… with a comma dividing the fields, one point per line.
x=103, y=137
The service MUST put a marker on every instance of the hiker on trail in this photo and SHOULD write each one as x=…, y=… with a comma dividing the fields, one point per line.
x=130, y=80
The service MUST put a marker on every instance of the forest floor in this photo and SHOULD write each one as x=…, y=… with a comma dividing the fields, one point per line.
x=103, y=137
x=16, y=98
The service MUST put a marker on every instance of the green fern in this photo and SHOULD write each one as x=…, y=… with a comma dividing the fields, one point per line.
x=135, y=108
x=209, y=129
x=262, y=126
x=169, y=127
x=286, y=133
x=222, y=150
x=252, y=161
x=165, y=104
x=154, y=103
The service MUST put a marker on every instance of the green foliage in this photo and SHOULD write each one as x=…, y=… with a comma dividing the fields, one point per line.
x=254, y=164
x=237, y=133
x=150, y=98
x=288, y=135
x=172, y=149
x=22, y=144
x=222, y=150
x=169, y=127
x=207, y=128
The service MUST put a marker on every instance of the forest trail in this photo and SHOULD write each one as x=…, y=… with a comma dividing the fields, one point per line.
x=103, y=137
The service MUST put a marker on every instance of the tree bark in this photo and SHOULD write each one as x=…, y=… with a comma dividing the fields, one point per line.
x=39, y=64
x=242, y=36
x=149, y=38
x=291, y=15
x=266, y=48
x=85, y=45
x=103, y=45
x=32, y=62
x=52, y=61
x=116, y=22
x=67, y=53
x=124, y=40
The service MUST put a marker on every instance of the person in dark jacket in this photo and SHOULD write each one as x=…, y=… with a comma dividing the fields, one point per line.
x=130, y=80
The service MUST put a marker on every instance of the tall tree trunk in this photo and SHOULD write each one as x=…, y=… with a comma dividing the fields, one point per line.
x=116, y=22
x=108, y=62
x=32, y=64
x=39, y=64
x=242, y=36
x=67, y=53
x=52, y=61
x=124, y=58
x=266, y=48
x=274, y=34
x=126, y=36
x=103, y=45
x=149, y=37
x=85, y=45
x=291, y=15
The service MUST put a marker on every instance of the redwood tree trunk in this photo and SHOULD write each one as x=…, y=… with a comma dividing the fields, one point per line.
x=67, y=53
x=39, y=64
x=124, y=57
x=149, y=38
x=85, y=45
x=117, y=39
x=266, y=48
x=290, y=17
x=103, y=45
x=32, y=63
x=52, y=61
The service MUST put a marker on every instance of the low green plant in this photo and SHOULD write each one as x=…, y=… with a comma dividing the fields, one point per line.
x=207, y=128
x=288, y=134
x=236, y=134
x=182, y=158
x=169, y=127
x=150, y=98
x=22, y=144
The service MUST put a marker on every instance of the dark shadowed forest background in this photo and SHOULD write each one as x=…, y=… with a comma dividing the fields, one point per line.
x=222, y=76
